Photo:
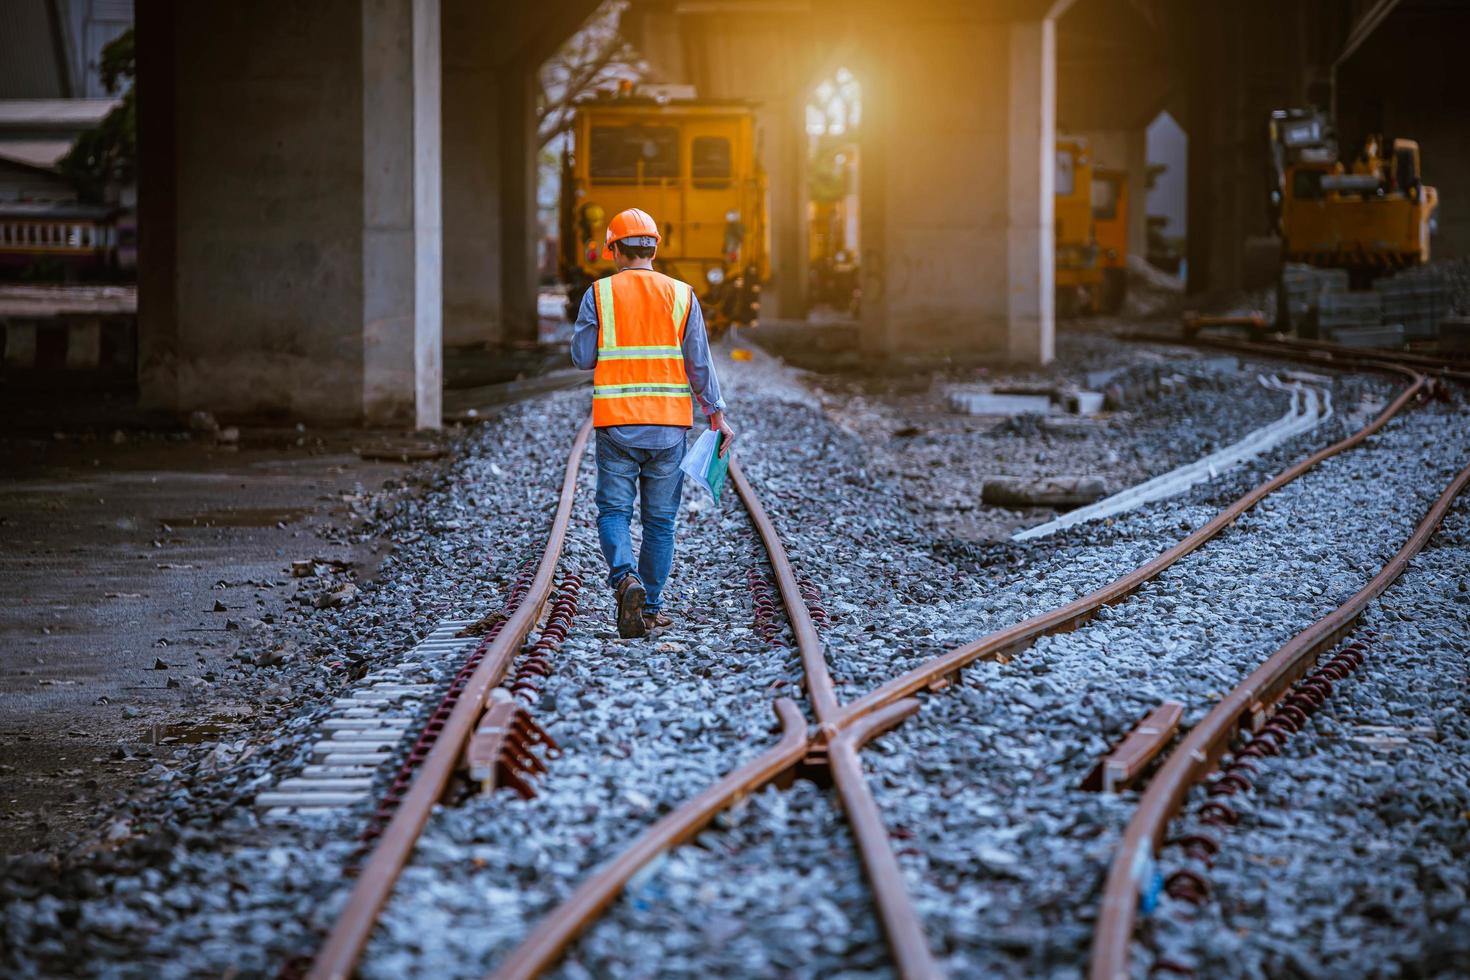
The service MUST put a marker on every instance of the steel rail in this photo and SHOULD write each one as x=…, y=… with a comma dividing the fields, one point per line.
x=1314, y=352
x=1004, y=643
x=895, y=907
x=900, y=920
x=813, y=652
x=545, y=943
x=339, y=954
x=1244, y=707
x=1416, y=359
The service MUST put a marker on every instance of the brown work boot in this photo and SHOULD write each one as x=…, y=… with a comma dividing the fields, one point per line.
x=656, y=621
x=630, y=608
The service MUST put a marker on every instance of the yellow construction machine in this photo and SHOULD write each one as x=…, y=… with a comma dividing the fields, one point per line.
x=1370, y=217
x=693, y=165
x=1079, y=274
x=1110, y=231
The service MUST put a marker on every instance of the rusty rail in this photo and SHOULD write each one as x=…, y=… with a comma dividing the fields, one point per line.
x=1316, y=352
x=338, y=956
x=1414, y=359
x=895, y=907
x=842, y=731
x=544, y=945
x=900, y=921
x=1003, y=644
x=1247, y=706
x=813, y=652
x=548, y=940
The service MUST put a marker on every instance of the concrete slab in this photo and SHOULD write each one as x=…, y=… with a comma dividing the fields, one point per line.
x=978, y=402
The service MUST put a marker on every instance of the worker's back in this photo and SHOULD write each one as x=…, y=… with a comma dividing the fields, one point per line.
x=640, y=378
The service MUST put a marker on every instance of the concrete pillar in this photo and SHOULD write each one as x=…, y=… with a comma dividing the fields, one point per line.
x=471, y=175
x=490, y=230
x=1242, y=59
x=296, y=147
x=402, y=256
x=519, y=232
x=958, y=160
x=1032, y=132
x=783, y=130
x=158, y=321
x=1203, y=83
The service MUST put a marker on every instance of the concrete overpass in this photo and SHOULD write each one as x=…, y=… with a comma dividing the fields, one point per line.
x=331, y=192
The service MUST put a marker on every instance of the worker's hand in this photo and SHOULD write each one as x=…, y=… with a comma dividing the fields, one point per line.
x=718, y=423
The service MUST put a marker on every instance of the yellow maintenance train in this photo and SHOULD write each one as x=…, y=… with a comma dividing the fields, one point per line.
x=1091, y=220
x=693, y=165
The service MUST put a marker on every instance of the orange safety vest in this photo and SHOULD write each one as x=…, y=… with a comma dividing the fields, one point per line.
x=639, y=378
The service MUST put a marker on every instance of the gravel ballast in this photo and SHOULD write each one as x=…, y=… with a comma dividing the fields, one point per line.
x=1004, y=856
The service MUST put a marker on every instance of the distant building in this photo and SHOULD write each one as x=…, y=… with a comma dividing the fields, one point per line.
x=36, y=133
x=45, y=230
x=51, y=91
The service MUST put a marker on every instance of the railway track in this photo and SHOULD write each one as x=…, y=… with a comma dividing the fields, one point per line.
x=1448, y=367
x=1253, y=721
x=827, y=747
x=491, y=663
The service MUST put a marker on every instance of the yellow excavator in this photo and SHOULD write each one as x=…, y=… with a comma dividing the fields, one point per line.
x=1371, y=217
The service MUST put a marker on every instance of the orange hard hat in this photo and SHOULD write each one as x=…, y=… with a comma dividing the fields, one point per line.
x=632, y=223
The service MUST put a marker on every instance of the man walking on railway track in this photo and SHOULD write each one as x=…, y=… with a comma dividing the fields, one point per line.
x=642, y=335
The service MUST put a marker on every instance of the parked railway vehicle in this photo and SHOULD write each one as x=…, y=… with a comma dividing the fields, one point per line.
x=694, y=164
x=1110, y=231
x=1371, y=217
x=1079, y=273
x=57, y=240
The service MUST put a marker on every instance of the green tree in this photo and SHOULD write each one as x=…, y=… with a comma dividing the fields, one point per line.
x=108, y=152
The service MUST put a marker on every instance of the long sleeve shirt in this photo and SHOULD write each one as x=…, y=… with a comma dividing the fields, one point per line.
x=697, y=365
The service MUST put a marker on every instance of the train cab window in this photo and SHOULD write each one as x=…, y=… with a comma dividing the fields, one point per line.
x=709, y=161
x=1104, y=199
x=1306, y=185
x=1064, y=181
x=618, y=151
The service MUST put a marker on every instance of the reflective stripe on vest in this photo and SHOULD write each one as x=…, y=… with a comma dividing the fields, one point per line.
x=640, y=377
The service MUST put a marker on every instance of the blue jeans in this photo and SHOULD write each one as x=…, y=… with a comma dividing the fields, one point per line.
x=655, y=477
